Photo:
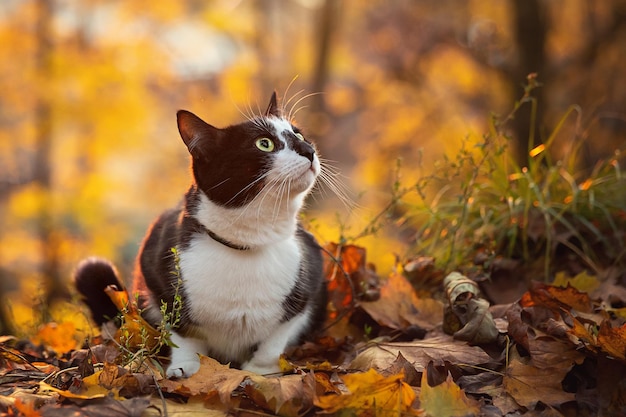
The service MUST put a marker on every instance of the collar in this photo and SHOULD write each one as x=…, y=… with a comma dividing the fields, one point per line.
x=225, y=242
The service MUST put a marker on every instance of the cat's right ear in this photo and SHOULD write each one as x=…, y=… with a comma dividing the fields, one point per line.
x=196, y=133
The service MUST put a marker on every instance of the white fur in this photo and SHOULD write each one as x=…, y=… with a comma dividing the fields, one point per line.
x=236, y=296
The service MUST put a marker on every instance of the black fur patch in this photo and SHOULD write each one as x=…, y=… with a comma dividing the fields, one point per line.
x=310, y=287
x=91, y=278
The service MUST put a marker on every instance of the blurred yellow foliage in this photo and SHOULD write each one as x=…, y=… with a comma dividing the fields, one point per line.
x=89, y=151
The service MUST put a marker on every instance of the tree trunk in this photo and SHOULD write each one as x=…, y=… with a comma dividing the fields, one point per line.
x=42, y=173
x=530, y=36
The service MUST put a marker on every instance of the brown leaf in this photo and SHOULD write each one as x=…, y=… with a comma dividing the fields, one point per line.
x=286, y=395
x=213, y=378
x=480, y=327
x=399, y=306
x=401, y=365
x=381, y=356
x=105, y=407
x=549, y=352
x=348, y=277
x=556, y=298
x=446, y=399
x=528, y=384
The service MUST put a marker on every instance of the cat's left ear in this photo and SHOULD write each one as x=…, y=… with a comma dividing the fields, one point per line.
x=272, y=109
x=195, y=131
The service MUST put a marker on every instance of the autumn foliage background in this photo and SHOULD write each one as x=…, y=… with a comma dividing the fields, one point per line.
x=89, y=151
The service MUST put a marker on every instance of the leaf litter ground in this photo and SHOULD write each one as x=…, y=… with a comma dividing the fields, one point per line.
x=391, y=351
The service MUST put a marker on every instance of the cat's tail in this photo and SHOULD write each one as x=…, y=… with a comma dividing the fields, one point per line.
x=91, y=278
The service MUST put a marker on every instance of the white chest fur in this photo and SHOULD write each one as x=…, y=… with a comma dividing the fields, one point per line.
x=235, y=297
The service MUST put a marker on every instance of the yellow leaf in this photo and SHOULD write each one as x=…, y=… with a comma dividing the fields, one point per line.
x=446, y=399
x=384, y=396
x=135, y=328
x=583, y=282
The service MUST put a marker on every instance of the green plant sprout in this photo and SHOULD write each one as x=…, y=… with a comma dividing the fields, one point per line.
x=135, y=354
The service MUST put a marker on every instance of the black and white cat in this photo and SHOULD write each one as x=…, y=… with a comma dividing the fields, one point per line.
x=251, y=275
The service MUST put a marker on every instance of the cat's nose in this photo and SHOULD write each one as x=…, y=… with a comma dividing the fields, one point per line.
x=305, y=149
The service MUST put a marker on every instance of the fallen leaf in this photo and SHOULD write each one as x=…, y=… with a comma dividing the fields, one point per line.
x=582, y=282
x=446, y=399
x=26, y=409
x=528, y=384
x=399, y=306
x=195, y=406
x=612, y=340
x=549, y=352
x=105, y=407
x=286, y=396
x=480, y=326
x=556, y=298
x=91, y=390
x=212, y=378
x=371, y=393
x=60, y=337
x=348, y=277
x=381, y=356
x=136, y=332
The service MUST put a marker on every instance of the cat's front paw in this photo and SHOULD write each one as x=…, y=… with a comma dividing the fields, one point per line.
x=261, y=368
x=183, y=369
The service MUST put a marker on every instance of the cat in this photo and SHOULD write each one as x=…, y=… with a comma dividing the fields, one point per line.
x=252, y=279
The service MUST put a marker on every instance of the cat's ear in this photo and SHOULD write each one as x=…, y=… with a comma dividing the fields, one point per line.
x=272, y=108
x=194, y=131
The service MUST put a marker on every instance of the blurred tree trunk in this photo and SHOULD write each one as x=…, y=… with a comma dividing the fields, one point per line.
x=530, y=36
x=6, y=327
x=327, y=24
x=42, y=173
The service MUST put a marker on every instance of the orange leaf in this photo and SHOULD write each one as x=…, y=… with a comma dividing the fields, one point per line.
x=134, y=324
x=400, y=307
x=613, y=341
x=446, y=399
x=370, y=391
x=59, y=337
x=556, y=298
x=26, y=409
x=213, y=378
x=348, y=276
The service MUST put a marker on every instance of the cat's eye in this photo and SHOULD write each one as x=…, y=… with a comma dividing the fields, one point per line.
x=265, y=144
x=299, y=136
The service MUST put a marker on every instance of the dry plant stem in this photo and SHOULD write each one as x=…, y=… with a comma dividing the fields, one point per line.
x=336, y=267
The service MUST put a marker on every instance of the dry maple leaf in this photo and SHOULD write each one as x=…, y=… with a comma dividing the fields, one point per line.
x=287, y=396
x=612, y=340
x=399, y=306
x=372, y=393
x=134, y=324
x=446, y=399
x=212, y=378
x=528, y=384
x=348, y=277
x=555, y=298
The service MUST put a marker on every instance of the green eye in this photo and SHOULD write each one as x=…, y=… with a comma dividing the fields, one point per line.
x=299, y=136
x=265, y=144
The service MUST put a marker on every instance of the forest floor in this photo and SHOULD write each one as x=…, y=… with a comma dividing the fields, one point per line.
x=392, y=348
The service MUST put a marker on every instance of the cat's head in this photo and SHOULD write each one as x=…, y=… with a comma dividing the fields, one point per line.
x=234, y=165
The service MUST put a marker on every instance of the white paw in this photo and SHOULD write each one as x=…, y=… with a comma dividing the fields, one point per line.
x=261, y=369
x=183, y=368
